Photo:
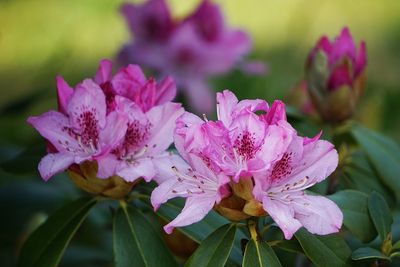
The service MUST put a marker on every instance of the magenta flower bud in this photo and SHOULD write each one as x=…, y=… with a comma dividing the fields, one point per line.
x=335, y=73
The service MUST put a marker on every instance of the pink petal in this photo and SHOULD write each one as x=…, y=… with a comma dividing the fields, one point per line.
x=163, y=119
x=183, y=124
x=314, y=161
x=226, y=101
x=104, y=73
x=200, y=96
x=195, y=209
x=54, y=127
x=163, y=165
x=87, y=97
x=311, y=140
x=341, y=75
x=343, y=46
x=127, y=81
x=52, y=164
x=276, y=113
x=64, y=93
x=208, y=20
x=317, y=214
x=166, y=190
x=325, y=45
x=361, y=60
x=254, y=67
x=107, y=166
x=114, y=131
x=166, y=91
x=150, y=21
x=141, y=168
x=283, y=215
x=253, y=105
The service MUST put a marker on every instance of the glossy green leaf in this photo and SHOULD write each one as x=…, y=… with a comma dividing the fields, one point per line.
x=259, y=254
x=291, y=245
x=199, y=231
x=380, y=214
x=354, y=206
x=215, y=249
x=368, y=253
x=136, y=242
x=383, y=153
x=46, y=245
x=360, y=175
x=324, y=251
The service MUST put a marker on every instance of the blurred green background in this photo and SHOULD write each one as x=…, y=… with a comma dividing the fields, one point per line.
x=40, y=39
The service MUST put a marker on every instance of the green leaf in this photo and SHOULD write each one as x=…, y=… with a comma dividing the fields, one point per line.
x=291, y=245
x=380, y=214
x=46, y=245
x=259, y=254
x=396, y=246
x=200, y=230
x=383, y=153
x=215, y=249
x=354, y=206
x=25, y=162
x=368, y=253
x=136, y=242
x=324, y=251
x=360, y=175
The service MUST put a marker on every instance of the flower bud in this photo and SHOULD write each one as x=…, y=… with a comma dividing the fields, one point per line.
x=241, y=204
x=85, y=177
x=335, y=74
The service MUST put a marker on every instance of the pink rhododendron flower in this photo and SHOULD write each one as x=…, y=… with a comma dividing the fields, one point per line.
x=304, y=163
x=84, y=132
x=335, y=75
x=191, y=50
x=121, y=121
x=254, y=143
x=241, y=143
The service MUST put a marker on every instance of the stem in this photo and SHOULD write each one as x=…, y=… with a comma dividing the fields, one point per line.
x=252, y=225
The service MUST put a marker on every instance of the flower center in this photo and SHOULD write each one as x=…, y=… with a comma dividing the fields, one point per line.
x=133, y=145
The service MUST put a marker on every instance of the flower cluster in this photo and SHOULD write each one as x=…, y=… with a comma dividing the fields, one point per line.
x=335, y=74
x=120, y=122
x=191, y=49
x=250, y=145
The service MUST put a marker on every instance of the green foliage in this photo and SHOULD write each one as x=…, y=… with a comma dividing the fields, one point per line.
x=199, y=231
x=368, y=253
x=215, y=249
x=47, y=244
x=354, y=205
x=380, y=215
x=324, y=251
x=383, y=153
x=136, y=242
x=259, y=254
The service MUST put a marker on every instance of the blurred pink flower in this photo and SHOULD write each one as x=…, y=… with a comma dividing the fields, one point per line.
x=345, y=63
x=336, y=76
x=305, y=163
x=121, y=121
x=191, y=50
